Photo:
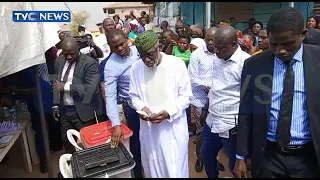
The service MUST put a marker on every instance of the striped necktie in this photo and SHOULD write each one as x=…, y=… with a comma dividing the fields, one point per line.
x=66, y=74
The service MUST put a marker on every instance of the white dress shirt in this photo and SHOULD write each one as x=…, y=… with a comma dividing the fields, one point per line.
x=102, y=43
x=67, y=99
x=224, y=94
x=200, y=73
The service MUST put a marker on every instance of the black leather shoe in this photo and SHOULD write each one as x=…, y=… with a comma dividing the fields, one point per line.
x=199, y=165
x=43, y=168
x=59, y=175
x=220, y=166
x=43, y=165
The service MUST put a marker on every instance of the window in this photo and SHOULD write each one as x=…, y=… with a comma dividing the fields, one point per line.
x=316, y=8
x=241, y=10
x=111, y=11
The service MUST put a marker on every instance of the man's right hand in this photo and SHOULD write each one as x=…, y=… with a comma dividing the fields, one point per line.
x=173, y=43
x=56, y=113
x=146, y=110
x=117, y=136
x=240, y=169
x=203, y=117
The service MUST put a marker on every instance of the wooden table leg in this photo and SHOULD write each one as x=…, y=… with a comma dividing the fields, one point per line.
x=26, y=152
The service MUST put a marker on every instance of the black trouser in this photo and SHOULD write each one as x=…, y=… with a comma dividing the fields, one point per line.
x=53, y=134
x=298, y=163
x=71, y=120
x=133, y=121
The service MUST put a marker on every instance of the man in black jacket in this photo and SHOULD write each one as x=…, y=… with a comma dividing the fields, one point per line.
x=279, y=114
x=79, y=97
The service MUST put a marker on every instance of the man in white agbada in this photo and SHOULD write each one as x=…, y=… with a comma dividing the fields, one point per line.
x=160, y=87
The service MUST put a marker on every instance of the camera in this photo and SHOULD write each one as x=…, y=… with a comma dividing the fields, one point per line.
x=83, y=40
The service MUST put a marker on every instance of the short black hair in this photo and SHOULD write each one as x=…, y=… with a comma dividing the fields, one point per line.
x=258, y=22
x=168, y=31
x=81, y=28
x=165, y=23
x=143, y=12
x=184, y=35
x=115, y=32
x=116, y=16
x=286, y=19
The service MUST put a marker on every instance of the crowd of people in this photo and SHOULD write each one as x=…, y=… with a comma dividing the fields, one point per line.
x=252, y=93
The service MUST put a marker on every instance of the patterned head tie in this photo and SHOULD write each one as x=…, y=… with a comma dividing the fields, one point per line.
x=146, y=41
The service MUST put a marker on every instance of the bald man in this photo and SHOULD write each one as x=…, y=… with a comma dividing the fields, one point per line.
x=101, y=41
x=89, y=49
x=179, y=27
x=77, y=84
x=200, y=73
x=223, y=101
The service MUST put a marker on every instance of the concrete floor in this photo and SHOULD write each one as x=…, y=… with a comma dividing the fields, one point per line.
x=14, y=167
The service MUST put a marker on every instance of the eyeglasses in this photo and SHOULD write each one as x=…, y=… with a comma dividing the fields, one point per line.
x=150, y=55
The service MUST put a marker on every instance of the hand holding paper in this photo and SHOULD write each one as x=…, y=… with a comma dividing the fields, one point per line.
x=145, y=113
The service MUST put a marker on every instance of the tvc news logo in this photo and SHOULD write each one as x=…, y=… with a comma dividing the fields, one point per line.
x=41, y=16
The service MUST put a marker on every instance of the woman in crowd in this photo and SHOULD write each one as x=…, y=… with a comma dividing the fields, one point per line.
x=313, y=22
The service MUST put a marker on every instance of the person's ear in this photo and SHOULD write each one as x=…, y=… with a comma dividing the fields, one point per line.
x=234, y=44
x=303, y=33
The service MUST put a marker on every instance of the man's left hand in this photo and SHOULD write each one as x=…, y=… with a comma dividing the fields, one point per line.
x=91, y=43
x=58, y=86
x=158, y=118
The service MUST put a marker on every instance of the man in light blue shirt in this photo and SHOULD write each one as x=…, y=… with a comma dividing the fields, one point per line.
x=279, y=115
x=117, y=81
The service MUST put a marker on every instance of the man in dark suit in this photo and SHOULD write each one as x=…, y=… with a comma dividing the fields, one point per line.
x=312, y=37
x=79, y=95
x=279, y=114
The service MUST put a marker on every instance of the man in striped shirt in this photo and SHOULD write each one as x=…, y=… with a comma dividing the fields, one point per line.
x=224, y=100
x=200, y=72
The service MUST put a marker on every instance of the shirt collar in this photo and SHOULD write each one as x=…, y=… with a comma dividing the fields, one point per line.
x=235, y=55
x=205, y=49
x=297, y=56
